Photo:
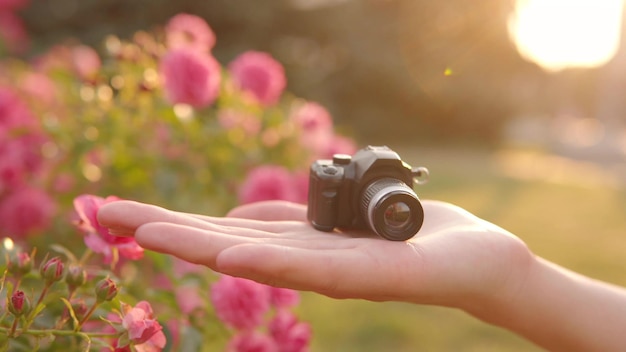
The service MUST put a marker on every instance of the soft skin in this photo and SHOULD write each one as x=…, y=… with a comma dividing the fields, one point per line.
x=457, y=260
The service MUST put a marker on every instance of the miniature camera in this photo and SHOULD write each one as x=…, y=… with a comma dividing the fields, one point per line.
x=371, y=189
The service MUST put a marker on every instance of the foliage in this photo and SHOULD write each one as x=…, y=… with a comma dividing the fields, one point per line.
x=155, y=118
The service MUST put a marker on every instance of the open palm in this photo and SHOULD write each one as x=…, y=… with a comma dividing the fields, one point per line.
x=455, y=260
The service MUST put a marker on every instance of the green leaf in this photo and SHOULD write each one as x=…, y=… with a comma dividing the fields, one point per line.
x=36, y=312
x=71, y=310
x=123, y=340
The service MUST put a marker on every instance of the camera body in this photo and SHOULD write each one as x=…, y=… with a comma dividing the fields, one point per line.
x=371, y=189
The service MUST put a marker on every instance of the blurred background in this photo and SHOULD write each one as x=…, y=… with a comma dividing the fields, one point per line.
x=517, y=107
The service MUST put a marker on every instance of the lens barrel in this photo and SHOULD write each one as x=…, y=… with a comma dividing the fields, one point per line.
x=391, y=209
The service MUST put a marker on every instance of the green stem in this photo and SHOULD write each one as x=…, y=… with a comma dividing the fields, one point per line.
x=56, y=332
x=87, y=316
x=43, y=294
x=32, y=315
x=18, y=282
x=13, y=328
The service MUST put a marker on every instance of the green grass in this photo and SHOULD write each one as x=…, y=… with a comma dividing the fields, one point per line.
x=579, y=226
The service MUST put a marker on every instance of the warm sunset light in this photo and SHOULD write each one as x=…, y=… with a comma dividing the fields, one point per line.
x=557, y=34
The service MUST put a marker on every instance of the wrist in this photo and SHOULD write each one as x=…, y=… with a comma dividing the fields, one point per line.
x=561, y=310
x=509, y=288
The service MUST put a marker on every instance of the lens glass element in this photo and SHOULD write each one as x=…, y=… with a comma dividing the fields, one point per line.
x=397, y=215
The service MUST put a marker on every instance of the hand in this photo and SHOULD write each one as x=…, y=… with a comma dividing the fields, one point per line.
x=455, y=260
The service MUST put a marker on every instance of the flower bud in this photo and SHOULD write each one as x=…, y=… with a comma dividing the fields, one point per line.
x=19, y=264
x=106, y=290
x=80, y=308
x=19, y=304
x=76, y=277
x=52, y=270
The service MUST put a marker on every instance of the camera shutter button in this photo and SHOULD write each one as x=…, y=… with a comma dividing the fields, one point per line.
x=342, y=159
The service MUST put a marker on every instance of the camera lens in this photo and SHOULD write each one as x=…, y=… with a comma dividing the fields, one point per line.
x=397, y=215
x=391, y=209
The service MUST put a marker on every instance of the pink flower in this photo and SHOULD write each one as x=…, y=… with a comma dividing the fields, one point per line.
x=314, y=125
x=231, y=119
x=289, y=334
x=86, y=61
x=20, y=158
x=284, y=297
x=189, y=31
x=240, y=303
x=106, y=290
x=260, y=75
x=300, y=181
x=269, y=182
x=19, y=304
x=24, y=211
x=190, y=77
x=57, y=58
x=339, y=145
x=182, y=268
x=14, y=113
x=144, y=332
x=40, y=87
x=251, y=341
x=52, y=270
x=98, y=238
x=12, y=32
x=188, y=298
x=12, y=4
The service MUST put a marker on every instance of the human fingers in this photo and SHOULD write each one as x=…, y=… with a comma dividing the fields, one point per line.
x=201, y=246
x=124, y=217
x=273, y=210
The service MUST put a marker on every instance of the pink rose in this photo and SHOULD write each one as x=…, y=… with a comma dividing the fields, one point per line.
x=97, y=237
x=231, y=119
x=314, y=125
x=189, y=31
x=270, y=182
x=312, y=117
x=338, y=145
x=14, y=113
x=25, y=210
x=40, y=87
x=300, y=181
x=284, y=297
x=260, y=75
x=182, y=268
x=240, y=303
x=12, y=32
x=188, y=298
x=190, y=77
x=144, y=332
x=57, y=58
x=12, y=4
x=289, y=334
x=20, y=158
x=86, y=61
x=251, y=341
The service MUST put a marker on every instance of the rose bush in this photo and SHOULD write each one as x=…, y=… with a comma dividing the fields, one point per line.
x=156, y=118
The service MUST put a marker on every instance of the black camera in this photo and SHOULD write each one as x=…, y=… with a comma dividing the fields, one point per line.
x=371, y=189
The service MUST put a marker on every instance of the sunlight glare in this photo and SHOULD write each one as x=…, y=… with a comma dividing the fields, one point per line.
x=558, y=34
